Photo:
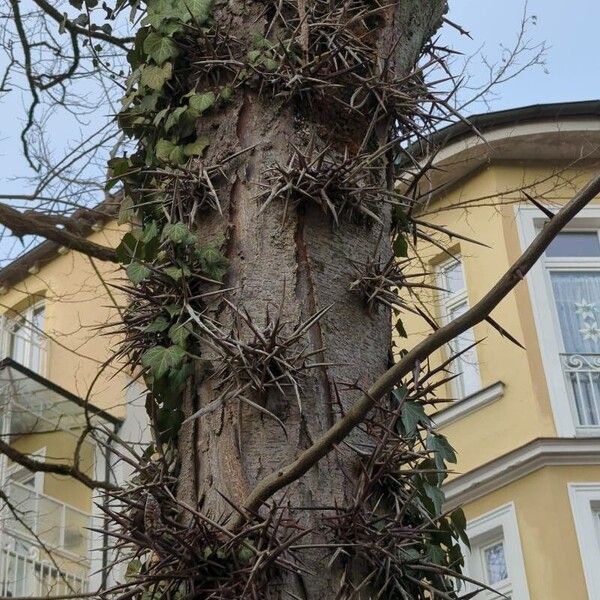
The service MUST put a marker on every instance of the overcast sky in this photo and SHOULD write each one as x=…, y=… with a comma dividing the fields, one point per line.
x=573, y=63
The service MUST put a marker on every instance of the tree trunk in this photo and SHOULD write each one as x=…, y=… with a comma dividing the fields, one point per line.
x=297, y=260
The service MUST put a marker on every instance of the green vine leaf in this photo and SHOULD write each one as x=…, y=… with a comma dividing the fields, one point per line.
x=160, y=48
x=126, y=211
x=167, y=151
x=155, y=77
x=137, y=272
x=159, y=325
x=178, y=233
x=179, y=333
x=202, y=102
x=159, y=360
x=174, y=117
x=197, y=148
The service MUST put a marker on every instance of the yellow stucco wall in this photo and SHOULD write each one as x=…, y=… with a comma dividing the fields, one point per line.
x=483, y=207
x=548, y=539
x=78, y=309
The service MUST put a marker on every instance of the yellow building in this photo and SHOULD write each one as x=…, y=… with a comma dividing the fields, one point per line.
x=525, y=423
x=55, y=307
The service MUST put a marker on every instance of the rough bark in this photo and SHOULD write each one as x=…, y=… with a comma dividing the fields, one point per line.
x=301, y=261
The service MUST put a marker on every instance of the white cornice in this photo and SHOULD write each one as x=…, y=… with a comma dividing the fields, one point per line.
x=461, y=408
x=539, y=453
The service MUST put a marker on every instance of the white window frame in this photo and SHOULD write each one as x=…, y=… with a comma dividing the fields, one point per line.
x=585, y=502
x=529, y=222
x=8, y=320
x=498, y=525
x=447, y=302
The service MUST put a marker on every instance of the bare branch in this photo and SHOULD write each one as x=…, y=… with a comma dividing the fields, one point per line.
x=22, y=224
x=37, y=466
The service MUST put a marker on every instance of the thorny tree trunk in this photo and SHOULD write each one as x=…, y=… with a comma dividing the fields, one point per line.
x=299, y=260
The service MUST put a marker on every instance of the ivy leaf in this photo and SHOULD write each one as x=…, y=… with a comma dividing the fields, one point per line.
x=118, y=166
x=178, y=233
x=159, y=325
x=413, y=414
x=159, y=360
x=163, y=150
x=160, y=48
x=226, y=93
x=176, y=273
x=137, y=272
x=196, y=148
x=180, y=333
x=443, y=451
x=202, y=102
x=125, y=211
x=459, y=521
x=199, y=10
x=154, y=77
x=214, y=263
x=436, y=496
x=174, y=117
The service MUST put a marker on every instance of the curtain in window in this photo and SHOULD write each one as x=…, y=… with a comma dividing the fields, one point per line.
x=577, y=297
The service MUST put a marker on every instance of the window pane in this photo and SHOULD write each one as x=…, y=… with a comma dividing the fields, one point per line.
x=575, y=243
x=454, y=280
x=577, y=298
x=495, y=563
x=468, y=380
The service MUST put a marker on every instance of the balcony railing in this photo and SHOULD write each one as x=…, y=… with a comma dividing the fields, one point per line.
x=582, y=373
x=22, y=574
x=57, y=525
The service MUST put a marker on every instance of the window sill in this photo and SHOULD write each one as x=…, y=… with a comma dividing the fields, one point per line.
x=466, y=406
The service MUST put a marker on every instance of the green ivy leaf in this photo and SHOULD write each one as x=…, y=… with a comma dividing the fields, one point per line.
x=202, y=102
x=126, y=211
x=443, y=451
x=176, y=273
x=163, y=150
x=160, y=360
x=270, y=64
x=155, y=77
x=159, y=325
x=118, y=166
x=413, y=414
x=174, y=117
x=459, y=521
x=436, y=496
x=196, y=148
x=226, y=93
x=214, y=263
x=200, y=10
x=178, y=233
x=137, y=272
x=160, y=48
x=254, y=56
x=180, y=333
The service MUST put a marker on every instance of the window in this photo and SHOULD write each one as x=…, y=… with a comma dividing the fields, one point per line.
x=495, y=558
x=24, y=338
x=454, y=303
x=564, y=288
x=585, y=504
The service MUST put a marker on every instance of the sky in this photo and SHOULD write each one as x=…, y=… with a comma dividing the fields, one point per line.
x=569, y=28
x=572, y=70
